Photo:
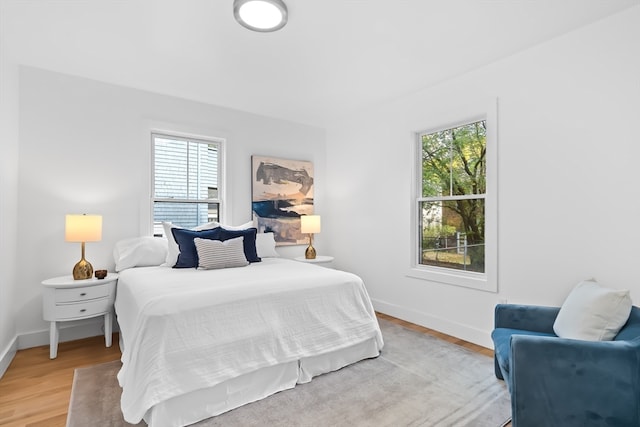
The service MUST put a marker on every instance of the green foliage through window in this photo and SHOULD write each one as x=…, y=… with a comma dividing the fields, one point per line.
x=452, y=205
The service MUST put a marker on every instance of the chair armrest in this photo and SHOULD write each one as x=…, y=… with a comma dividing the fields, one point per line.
x=526, y=317
x=565, y=382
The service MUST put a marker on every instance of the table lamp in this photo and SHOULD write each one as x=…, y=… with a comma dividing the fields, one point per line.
x=310, y=224
x=83, y=228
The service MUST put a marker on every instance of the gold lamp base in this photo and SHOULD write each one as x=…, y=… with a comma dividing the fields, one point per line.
x=310, y=253
x=82, y=270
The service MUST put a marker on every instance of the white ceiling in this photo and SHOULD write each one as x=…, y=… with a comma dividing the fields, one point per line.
x=333, y=57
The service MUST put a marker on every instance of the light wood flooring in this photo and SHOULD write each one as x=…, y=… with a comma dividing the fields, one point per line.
x=35, y=390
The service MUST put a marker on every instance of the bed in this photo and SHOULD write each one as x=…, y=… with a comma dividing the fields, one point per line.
x=197, y=343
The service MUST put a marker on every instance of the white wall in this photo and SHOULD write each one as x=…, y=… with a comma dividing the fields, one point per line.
x=568, y=178
x=85, y=148
x=567, y=187
x=8, y=200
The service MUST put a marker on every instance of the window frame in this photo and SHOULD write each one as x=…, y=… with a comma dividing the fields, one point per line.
x=200, y=139
x=487, y=281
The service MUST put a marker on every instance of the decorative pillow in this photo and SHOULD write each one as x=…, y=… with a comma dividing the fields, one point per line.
x=266, y=245
x=238, y=227
x=213, y=254
x=188, y=256
x=249, y=242
x=140, y=252
x=173, y=250
x=593, y=312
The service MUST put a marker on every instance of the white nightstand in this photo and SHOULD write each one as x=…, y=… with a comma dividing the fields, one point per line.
x=66, y=299
x=323, y=260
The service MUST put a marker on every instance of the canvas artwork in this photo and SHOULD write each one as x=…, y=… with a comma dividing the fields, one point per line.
x=282, y=191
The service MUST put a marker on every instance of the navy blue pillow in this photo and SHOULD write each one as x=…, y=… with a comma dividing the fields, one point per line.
x=249, y=235
x=188, y=257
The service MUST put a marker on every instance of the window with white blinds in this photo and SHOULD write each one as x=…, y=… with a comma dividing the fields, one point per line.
x=186, y=180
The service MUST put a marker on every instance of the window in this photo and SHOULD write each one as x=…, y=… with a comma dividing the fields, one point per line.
x=455, y=220
x=187, y=181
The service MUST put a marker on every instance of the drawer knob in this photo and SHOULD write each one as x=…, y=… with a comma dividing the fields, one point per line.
x=83, y=310
x=83, y=294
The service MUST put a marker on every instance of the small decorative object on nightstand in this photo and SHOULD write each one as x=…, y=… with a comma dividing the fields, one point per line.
x=323, y=260
x=66, y=299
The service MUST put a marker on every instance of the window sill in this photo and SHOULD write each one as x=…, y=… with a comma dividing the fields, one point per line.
x=457, y=278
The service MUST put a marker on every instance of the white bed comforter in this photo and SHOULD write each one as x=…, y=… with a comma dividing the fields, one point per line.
x=188, y=329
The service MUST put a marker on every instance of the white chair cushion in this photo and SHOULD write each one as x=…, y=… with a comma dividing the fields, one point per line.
x=593, y=312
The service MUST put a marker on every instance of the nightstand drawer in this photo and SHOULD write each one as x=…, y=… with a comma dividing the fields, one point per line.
x=85, y=309
x=82, y=294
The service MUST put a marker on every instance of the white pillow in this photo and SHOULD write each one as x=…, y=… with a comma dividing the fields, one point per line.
x=140, y=252
x=213, y=254
x=266, y=245
x=238, y=227
x=173, y=249
x=593, y=312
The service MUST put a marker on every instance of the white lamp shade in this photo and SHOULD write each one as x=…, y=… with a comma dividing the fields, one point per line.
x=310, y=224
x=83, y=228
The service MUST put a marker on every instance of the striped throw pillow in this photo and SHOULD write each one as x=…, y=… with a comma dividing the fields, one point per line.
x=213, y=254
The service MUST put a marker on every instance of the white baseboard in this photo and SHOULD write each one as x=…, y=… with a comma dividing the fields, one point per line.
x=7, y=355
x=439, y=324
x=69, y=331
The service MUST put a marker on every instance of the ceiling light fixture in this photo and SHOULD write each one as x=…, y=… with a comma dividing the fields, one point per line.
x=260, y=15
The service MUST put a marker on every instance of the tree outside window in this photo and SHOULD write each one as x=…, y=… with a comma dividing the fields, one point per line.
x=452, y=200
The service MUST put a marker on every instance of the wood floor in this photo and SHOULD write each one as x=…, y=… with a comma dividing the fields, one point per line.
x=35, y=390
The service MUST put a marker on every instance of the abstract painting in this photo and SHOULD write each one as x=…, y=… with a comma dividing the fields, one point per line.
x=282, y=191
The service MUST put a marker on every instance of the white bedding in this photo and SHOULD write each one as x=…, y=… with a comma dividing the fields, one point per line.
x=187, y=329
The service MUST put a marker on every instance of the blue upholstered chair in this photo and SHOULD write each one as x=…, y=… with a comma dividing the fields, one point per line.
x=563, y=382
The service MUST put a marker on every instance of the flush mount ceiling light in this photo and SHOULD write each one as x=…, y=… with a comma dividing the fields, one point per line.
x=260, y=15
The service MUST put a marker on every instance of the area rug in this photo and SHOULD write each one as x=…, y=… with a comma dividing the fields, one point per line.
x=418, y=380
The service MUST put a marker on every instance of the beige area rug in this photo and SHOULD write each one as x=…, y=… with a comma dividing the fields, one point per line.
x=418, y=380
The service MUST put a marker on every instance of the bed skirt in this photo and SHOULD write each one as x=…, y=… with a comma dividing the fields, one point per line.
x=201, y=404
